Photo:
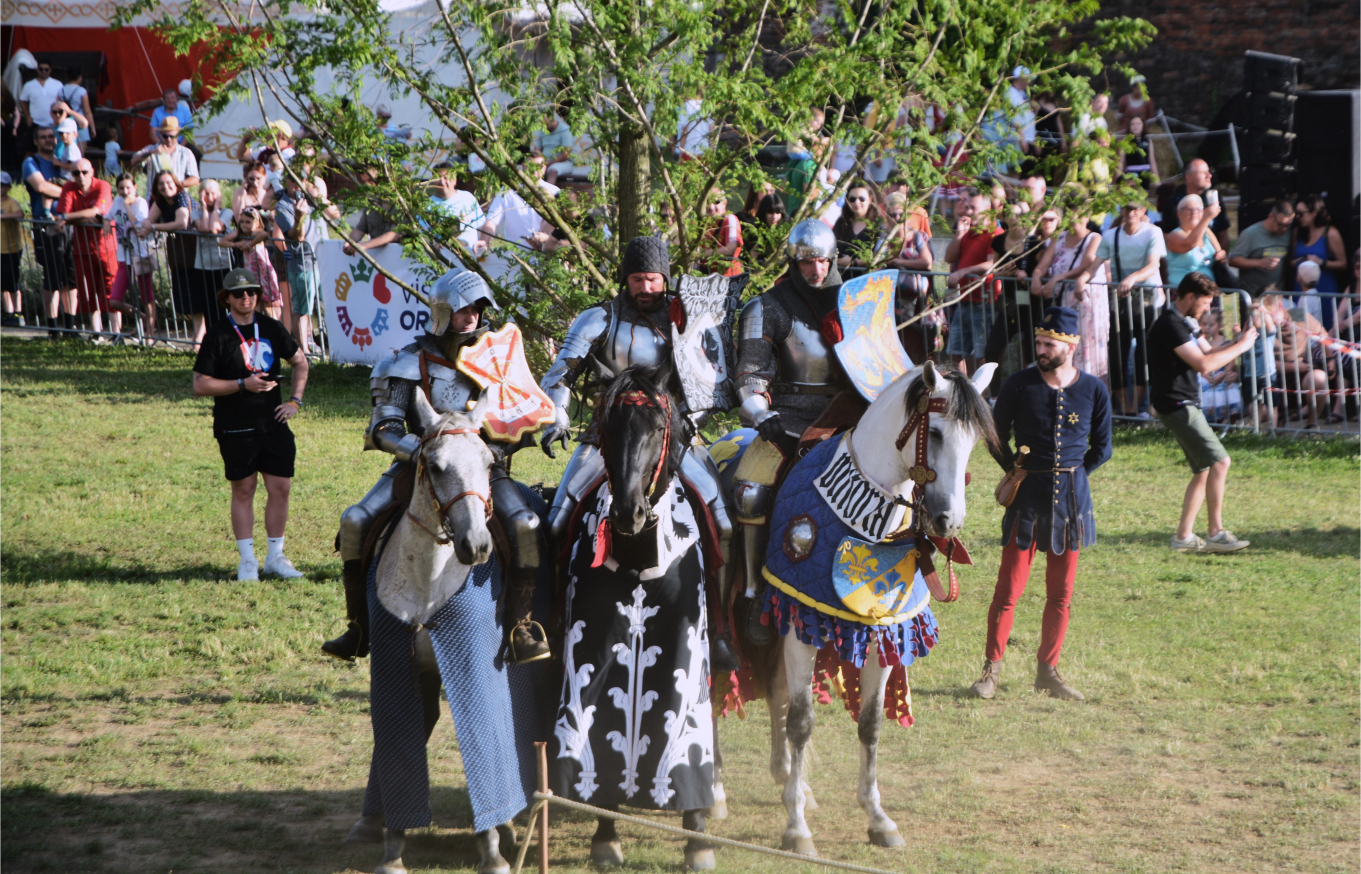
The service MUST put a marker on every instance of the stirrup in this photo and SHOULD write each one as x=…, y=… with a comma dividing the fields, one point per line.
x=515, y=656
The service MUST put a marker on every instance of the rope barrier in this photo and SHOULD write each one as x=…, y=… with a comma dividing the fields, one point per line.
x=545, y=797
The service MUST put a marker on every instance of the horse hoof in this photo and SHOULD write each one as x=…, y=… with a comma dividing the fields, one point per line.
x=607, y=853
x=495, y=866
x=700, y=860
x=368, y=830
x=394, y=867
x=718, y=811
x=881, y=837
x=797, y=843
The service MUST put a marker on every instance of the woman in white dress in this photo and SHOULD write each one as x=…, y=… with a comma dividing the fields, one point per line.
x=1052, y=280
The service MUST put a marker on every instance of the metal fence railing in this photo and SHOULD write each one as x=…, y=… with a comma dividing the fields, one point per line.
x=1304, y=372
x=110, y=284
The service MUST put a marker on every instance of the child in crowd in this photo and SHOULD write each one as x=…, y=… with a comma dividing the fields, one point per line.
x=67, y=153
x=11, y=248
x=113, y=152
x=128, y=210
x=249, y=238
x=1221, y=397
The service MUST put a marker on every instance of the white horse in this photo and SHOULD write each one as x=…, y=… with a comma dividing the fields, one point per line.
x=964, y=419
x=435, y=607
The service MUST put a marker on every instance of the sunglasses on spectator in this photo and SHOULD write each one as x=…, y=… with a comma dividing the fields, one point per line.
x=856, y=199
x=242, y=292
x=896, y=215
x=44, y=69
x=82, y=172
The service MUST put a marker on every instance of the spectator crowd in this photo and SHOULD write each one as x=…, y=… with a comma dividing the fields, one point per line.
x=1012, y=242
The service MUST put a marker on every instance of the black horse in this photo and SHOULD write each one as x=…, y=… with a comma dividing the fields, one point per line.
x=634, y=722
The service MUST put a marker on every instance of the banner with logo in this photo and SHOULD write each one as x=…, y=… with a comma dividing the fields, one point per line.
x=367, y=316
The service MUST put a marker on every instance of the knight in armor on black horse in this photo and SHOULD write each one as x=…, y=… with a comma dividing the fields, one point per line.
x=458, y=304
x=787, y=376
x=632, y=329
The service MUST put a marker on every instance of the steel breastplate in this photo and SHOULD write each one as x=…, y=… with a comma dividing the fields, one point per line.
x=451, y=391
x=628, y=343
x=806, y=358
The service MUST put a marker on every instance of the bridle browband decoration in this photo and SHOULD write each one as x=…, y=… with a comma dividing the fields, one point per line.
x=638, y=398
x=446, y=535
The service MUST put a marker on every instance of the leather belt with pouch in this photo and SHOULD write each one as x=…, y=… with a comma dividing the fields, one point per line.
x=1011, y=483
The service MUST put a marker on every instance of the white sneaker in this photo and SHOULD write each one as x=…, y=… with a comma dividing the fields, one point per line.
x=280, y=566
x=1224, y=541
x=1194, y=543
x=248, y=570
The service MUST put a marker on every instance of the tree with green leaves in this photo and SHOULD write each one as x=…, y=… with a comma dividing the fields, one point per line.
x=623, y=75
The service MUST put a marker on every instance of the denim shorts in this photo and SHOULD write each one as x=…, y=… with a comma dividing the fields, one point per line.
x=968, y=330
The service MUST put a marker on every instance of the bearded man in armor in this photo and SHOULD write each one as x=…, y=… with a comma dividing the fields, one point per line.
x=458, y=304
x=787, y=374
x=632, y=329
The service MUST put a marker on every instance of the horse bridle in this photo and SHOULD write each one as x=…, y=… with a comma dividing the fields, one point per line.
x=637, y=398
x=921, y=473
x=446, y=534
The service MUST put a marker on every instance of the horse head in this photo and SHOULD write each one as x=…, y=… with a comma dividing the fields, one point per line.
x=641, y=435
x=452, y=499
x=963, y=420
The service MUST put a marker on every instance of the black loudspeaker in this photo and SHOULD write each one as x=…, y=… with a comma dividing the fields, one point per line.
x=1328, y=154
x=1263, y=72
x=1265, y=183
x=1266, y=147
x=1269, y=110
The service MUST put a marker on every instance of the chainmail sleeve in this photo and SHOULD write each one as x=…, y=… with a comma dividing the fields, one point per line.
x=763, y=323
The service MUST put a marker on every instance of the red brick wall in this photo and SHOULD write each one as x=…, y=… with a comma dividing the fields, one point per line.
x=1195, y=63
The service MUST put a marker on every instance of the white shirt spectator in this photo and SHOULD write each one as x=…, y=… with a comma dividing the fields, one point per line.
x=692, y=129
x=126, y=217
x=1135, y=251
x=208, y=255
x=464, y=207
x=181, y=162
x=514, y=220
x=40, y=97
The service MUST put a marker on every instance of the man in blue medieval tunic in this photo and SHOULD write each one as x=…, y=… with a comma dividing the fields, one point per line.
x=1061, y=418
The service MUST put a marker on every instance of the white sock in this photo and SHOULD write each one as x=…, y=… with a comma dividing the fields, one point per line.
x=276, y=546
x=246, y=548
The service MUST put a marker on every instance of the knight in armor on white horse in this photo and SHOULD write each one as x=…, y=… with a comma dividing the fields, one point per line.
x=458, y=304
x=787, y=375
x=634, y=328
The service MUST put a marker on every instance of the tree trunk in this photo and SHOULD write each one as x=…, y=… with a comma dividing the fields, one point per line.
x=635, y=181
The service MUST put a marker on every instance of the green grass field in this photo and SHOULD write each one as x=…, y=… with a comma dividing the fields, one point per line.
x=159, y=716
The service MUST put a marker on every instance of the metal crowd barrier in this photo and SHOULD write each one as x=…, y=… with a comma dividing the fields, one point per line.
x=64, y=287
x=1303, y=375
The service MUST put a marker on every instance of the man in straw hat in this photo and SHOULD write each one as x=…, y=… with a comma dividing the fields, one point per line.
x=238, y=365
x=1061, y=418
x=168, y=154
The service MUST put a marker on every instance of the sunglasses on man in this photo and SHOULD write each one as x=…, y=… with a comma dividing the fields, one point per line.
x=243, y=292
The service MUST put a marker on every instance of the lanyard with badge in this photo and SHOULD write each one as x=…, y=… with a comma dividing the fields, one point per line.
x=252, y=361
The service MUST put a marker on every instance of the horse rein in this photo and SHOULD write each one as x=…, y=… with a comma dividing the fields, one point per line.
x=446, y=535
x=921, y=472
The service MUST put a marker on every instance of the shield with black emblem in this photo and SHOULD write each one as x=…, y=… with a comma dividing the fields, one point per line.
x=701, y=340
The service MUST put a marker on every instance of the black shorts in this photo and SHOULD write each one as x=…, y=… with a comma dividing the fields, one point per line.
x=53, y=254
x=9, y=271
x=270, y=451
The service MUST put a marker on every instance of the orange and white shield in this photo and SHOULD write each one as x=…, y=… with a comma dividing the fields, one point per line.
x=515, y=405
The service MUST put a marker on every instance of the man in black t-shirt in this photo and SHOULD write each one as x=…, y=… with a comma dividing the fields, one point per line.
x=1176, y=355
x=238, y=366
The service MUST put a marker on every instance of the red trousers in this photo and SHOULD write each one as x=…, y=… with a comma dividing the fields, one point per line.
x=1059, y=573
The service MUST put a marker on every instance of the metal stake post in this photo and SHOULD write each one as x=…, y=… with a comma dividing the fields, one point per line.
x=541, y=749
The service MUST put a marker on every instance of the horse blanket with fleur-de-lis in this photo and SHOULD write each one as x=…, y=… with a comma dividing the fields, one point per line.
x=634, y=721
x=833, y=578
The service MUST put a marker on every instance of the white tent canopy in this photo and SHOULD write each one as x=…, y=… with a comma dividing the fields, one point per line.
x=416, y=25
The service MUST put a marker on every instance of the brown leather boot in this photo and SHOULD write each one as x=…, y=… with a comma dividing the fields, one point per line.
x=986, y=686
x=1047, y=679
x=524, y=647
x=354, y=643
